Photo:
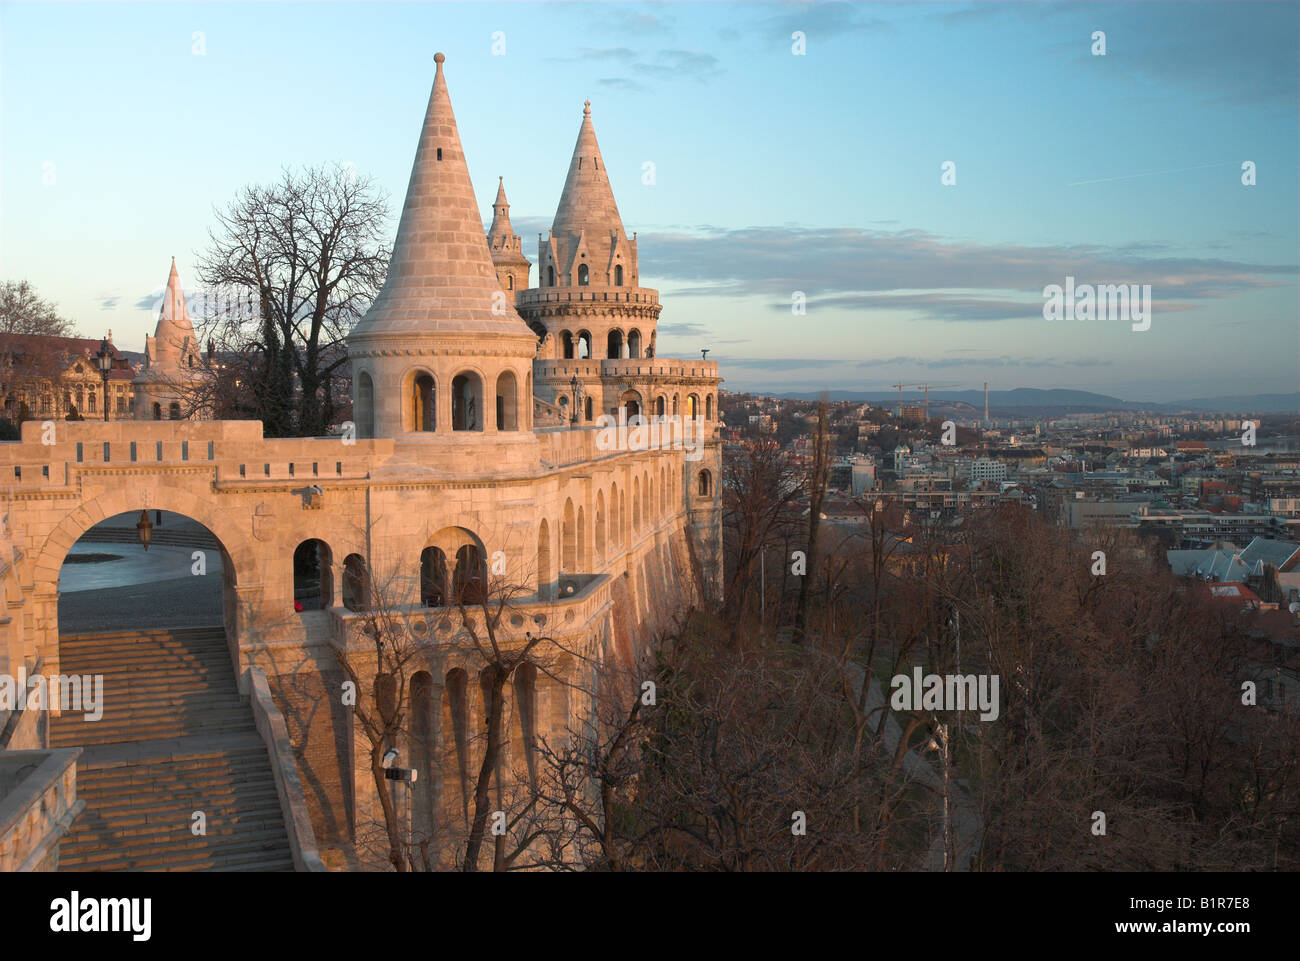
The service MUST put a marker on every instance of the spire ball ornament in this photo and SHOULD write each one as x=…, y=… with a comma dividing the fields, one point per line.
x=439, y=57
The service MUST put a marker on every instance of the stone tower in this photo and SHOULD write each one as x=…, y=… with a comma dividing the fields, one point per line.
x=441, y=354
x=506, y=246
x=173, y=366
x=587, y=297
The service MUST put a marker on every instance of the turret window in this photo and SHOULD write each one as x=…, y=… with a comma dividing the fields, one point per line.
x=618, y=275
x=466, y=402
x=550, y=276
x=583, y=275
x=424, y=405
x=510, y=281
x=439, y=153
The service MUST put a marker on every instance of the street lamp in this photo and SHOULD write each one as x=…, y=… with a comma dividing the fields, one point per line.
x=573, y=391
x=105, y=356
x=145, y=529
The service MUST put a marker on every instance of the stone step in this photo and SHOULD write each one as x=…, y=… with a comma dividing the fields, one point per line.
x=260, y=862
x=92, y=833
x=175, y=736
x=247, y=773
x=261, y=803
x=152, y=855
x=125, y=735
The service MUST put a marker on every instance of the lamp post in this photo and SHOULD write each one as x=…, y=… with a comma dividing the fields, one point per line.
x=105, y=356
x=145, y=529
x=574, y=386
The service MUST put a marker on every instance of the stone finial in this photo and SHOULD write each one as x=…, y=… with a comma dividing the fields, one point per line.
x=438, y=58
x=586, y=108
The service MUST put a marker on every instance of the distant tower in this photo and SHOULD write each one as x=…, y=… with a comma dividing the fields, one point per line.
x=588, y=295
x=173, y=367
x=507, y=247
x=986, y=402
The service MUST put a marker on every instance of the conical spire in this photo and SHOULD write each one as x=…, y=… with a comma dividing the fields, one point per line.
x=440, y=277
x=174, y=329
x=587, y=202
x=500, y=229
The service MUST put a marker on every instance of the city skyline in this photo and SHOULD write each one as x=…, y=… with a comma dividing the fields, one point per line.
x=833, y=188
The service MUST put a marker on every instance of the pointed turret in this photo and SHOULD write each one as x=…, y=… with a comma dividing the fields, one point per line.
x=587, y=245
x=587, y=202
x=440, y=278
x=173, y=338
x=506, y=246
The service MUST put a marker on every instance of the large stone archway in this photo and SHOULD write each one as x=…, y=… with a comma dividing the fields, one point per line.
x=239, y=560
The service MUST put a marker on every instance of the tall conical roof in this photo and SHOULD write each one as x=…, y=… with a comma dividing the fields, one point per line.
x=174, y=331
x=501, y=228
x=440, y=278
x=587, y=202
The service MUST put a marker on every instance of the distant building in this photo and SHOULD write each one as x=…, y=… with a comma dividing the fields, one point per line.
x=48, y=378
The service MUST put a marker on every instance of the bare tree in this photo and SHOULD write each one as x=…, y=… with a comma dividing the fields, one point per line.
x=309, y=253
x=818, y=478
x=23, y=311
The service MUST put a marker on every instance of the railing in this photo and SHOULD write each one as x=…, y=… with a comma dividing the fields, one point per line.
x=443, y=625
x=38, y=803
x=288, y=785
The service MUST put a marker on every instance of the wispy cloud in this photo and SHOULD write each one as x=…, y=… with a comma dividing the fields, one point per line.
x=858, y=268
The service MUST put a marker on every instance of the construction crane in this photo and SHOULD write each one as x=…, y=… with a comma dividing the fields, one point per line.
x=924, y=387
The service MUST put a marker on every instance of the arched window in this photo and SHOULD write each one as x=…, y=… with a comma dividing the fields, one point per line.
x=525, y=682
x=356, y=583
x=708, y=407
x=507, y=402
x=584, y=344
x=469, y=580
x=614, y=345
x=550, y=276
x=706, y=483
x=634, y=343
x=568, y=540
x=615, y=533
x=692, y=406
x=659, y=405
x=433, y=577
x=636, y=504
x=566, y=342
x=583, y=275
x=510, y=281
x=313, y=580
x=455, y=693
x=466, y=402
x=583, y=562
x=588, y=403
x=424, y=403
x=423, y=752
x=618, y=275
x=675, y=405
x=600, y=526
x=157, y=408
x=544, y=585
x=632, y=401
x=174, y=410
x=365, y=405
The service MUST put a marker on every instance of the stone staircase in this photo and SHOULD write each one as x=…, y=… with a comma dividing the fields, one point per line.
x=175, y=737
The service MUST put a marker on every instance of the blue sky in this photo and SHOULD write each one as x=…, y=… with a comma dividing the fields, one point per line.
x=775, y=172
